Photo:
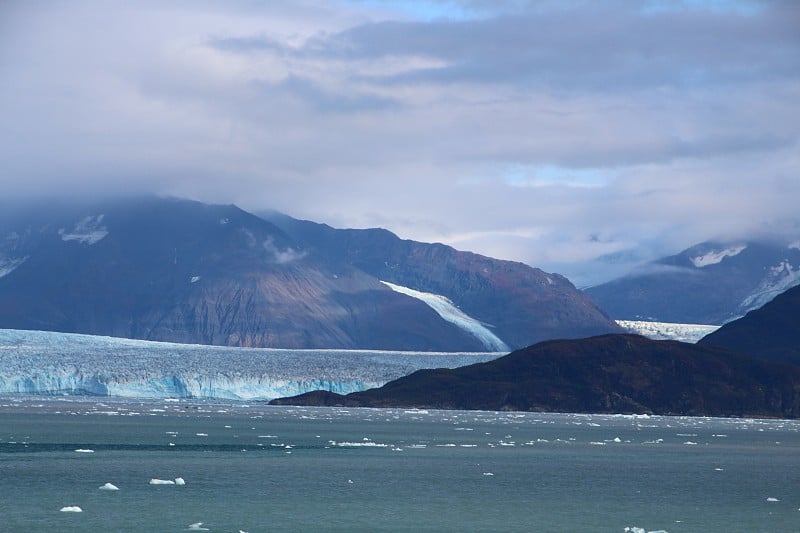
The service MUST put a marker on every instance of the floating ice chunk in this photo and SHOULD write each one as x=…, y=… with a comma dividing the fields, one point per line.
x=155, y=481
x=197, y=526
x=109, y=486
x=359, y=444
x=771, y=499
x=202, y=434
x=634, y=529
x=488, y=474
x=82, y=450
x=180, y=481
x=690, y=443
x=71, y=509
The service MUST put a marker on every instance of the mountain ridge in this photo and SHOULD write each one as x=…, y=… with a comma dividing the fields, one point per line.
x=181, y=271
x=709, y=283
x=615, y=373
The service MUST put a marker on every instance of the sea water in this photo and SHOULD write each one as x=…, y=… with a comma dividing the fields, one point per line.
x=187, y=465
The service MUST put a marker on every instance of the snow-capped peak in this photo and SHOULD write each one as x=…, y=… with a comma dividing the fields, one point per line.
x=88, y=230
x=716, y=256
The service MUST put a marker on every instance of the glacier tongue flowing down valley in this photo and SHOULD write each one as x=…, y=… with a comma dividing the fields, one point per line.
x=449, y=312
x=38, y=362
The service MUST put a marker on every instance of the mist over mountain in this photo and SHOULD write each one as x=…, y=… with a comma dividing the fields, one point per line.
x=710, y=283
x=181, y=271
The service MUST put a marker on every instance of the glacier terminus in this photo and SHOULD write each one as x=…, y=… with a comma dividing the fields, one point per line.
x=49, y=363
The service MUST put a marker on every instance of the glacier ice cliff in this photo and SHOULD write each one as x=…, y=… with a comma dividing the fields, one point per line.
x=38, y=362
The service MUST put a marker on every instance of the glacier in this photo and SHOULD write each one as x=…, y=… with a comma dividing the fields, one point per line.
x=449, y=312
x=49, y=363
x=667, y=330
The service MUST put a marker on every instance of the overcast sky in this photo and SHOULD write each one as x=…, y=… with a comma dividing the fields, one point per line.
x=552, y=133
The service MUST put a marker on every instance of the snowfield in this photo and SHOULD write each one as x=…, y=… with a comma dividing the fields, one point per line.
x=37, y=362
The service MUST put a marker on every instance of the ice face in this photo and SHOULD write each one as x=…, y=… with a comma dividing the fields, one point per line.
x=668, y=330
x=35, y=362
x=449, y=312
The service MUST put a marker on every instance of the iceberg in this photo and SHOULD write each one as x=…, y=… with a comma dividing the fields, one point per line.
x=49, y=363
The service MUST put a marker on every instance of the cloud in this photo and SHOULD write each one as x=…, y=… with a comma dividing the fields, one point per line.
x=553, y=133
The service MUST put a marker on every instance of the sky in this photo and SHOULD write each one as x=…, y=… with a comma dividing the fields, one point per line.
x=581, y=137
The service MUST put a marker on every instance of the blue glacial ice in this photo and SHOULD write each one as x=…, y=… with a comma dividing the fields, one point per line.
x=36, y=362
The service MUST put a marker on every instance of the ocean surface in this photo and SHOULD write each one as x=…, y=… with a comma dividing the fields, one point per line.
x=251, y=467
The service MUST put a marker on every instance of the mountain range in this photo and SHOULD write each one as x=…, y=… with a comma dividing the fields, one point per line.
x=709, y=283
x=181, y=271
x=619, y=373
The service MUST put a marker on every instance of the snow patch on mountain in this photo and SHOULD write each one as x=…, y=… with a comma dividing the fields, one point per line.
x=88, y=230
x=7, y=266
x=667, y=330
x=449, y=312
x=40, y=362
x=716, y=256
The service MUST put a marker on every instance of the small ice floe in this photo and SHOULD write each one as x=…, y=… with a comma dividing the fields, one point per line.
x=197, y=526
x=771, y=499
x=358, y=444
x=180, y=481
x=488, y=474
x=349, y=481
x=84, y=450
x=71, y=509
x=202, y=434
x=109, y=486
x=719, y=469
x=690, y=443
x=155, y=481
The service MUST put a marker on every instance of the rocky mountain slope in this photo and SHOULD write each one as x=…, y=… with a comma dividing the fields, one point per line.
x=711, y=283
x=523, y=305
x=605, y=374
x=181, y=271
x=771, y=333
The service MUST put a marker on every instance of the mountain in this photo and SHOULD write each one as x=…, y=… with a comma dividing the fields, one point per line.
x=710, y=283
x=604, y=374
x=181, y=271
x=522, y=304
x=771, y=332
